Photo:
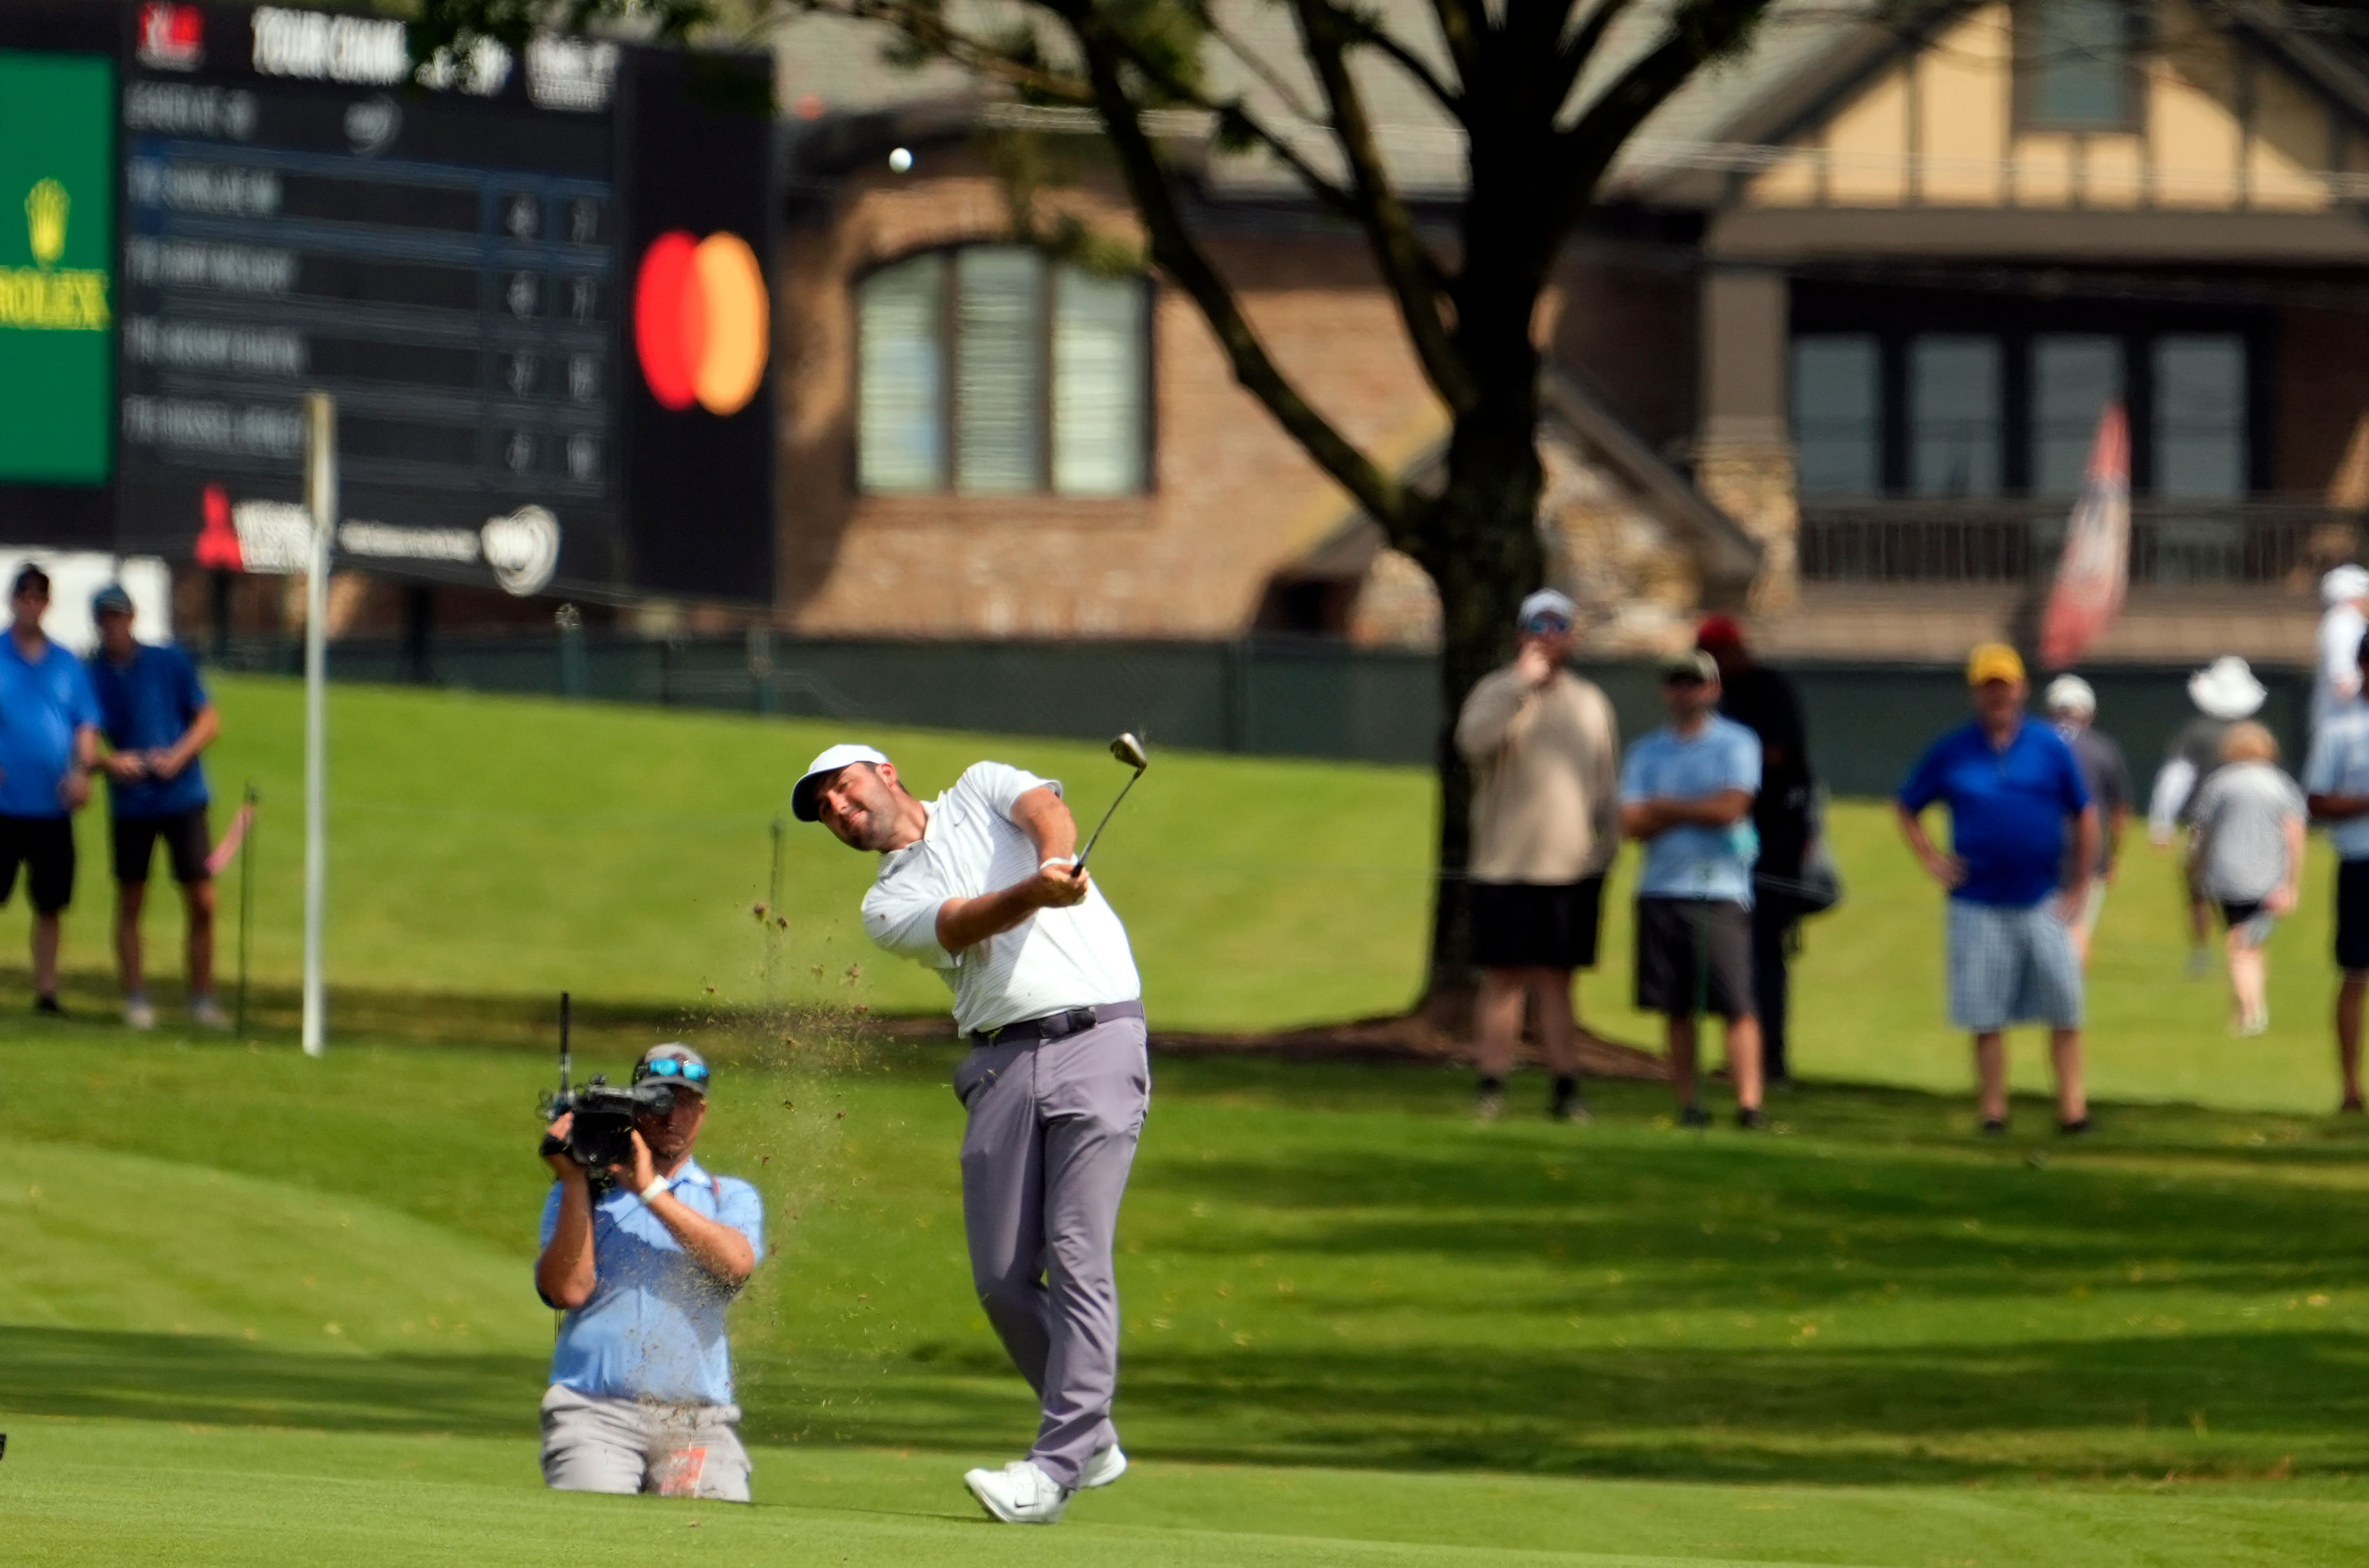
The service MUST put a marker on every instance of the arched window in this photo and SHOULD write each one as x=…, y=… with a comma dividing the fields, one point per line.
x=991, y=370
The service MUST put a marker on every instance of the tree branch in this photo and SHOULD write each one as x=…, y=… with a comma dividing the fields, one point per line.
x=1407, y=268
x=1390, y=503
x=1464, y=26
x=1699, y=33
x=927, y=29
x=1572, y=55
x=1370, y=31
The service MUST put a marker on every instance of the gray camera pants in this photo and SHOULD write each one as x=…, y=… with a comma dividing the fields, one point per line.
x=1044, y=1159
x=596, y=1444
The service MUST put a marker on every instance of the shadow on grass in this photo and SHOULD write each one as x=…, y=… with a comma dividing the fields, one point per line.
x=2210, y=1404
x=227, y=1382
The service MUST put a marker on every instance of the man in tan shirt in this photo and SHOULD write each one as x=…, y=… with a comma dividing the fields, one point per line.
x=1545, y=752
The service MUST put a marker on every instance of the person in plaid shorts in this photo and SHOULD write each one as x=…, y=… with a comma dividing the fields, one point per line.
x=2011, y=785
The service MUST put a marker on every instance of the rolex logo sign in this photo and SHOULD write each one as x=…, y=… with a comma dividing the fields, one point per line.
x=45, y=215
x=45, y=296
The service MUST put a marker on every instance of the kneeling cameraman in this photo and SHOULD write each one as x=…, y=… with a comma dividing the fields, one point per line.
x=641, y=1377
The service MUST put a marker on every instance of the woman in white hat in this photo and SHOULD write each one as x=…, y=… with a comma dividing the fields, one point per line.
x=2225, y=693
x=2336, y=678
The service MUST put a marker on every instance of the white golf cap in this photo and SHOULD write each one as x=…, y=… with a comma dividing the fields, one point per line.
x=1546, y=601
x=2226, y=689
x=818, y=773
x=2343, y=585
x=2070, y=694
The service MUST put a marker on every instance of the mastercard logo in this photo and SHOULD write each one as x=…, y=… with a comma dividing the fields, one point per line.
x=700, y=321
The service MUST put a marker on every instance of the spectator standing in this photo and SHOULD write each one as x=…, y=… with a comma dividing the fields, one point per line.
x=2249, y=859
x=2224, y=693
x=2336, y=674
x=1764, y=702
x=2072, y=707
x=2010, y=785
x=2336, y=785
x=48, y=743
x=1686, y=793
x=157, y=718
x=1545, y=752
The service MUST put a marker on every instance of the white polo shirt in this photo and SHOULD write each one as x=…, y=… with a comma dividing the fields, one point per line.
x=1052, y=960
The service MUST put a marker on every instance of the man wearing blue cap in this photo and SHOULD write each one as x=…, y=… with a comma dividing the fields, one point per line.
x=157, y=719
x=48, y=741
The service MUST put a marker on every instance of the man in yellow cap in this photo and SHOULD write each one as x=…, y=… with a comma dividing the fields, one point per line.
x=2011, y=785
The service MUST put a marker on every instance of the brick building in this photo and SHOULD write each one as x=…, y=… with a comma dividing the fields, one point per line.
x=1831, y=347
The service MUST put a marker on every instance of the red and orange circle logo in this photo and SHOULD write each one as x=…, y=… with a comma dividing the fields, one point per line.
x=702, y=321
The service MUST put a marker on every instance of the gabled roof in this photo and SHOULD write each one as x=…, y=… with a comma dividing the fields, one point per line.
x=1727, y=556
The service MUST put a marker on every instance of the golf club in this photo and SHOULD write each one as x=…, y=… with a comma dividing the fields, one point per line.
x=1128, y=750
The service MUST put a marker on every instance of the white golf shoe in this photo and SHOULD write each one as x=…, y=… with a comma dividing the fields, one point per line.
x=1019, y=1494
x=139, y=1013
x=1106, y=1466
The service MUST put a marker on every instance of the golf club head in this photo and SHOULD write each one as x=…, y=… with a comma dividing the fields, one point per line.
x=1128, y=750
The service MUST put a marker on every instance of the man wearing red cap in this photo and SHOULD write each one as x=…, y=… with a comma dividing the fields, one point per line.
x=1763, y=702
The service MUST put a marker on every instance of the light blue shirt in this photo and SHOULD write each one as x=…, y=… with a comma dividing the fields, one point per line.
x=43, y=703
x=654, y=1328
x=1688, y=861
x=2338, y=764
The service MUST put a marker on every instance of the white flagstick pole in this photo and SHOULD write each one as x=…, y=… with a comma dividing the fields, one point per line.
x=321, y=497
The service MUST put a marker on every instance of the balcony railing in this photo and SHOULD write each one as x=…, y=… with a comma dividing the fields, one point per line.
x=2016, y=542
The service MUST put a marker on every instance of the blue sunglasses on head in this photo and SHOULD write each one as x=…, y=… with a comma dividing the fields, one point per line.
x=672, y=1066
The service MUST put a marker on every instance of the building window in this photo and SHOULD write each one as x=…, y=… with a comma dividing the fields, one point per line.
x=1954, y=415
x=1972, y=414
x=1839, y=414
x=2074, y=376
x=2200, y=414
x=2074, y=69
x=989, y=370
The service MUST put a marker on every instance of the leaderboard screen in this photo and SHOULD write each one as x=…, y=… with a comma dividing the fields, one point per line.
x=458, y=264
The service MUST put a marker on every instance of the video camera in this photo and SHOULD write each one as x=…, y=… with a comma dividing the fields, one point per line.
x=602, y=1133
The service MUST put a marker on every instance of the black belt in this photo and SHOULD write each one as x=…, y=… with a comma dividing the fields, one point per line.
x=1056, y=1025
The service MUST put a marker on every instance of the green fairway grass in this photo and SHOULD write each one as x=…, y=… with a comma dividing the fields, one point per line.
x=510, y=848
x=261, y=1309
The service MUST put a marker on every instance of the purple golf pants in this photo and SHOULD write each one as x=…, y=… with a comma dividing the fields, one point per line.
x=1052, y=1134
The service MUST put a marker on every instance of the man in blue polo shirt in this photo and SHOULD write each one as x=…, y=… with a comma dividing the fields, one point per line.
x=48, y=743
x=641, y=1377
x=2010, y=784
x=157, y=719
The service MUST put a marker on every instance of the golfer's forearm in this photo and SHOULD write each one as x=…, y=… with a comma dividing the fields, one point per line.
x=85, y=747
x=713, y=1245
x=1041, y=815
x=2339, y=807
x=965, y=922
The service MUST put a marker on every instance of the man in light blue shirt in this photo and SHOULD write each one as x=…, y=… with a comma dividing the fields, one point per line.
x=1686, y=793
x=49, y=743
x=2336, y=783
x=641, y=1377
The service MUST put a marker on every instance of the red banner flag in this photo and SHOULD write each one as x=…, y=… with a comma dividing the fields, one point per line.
x=2096, y=566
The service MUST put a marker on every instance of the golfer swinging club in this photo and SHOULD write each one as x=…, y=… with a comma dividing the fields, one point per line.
x=981, y=886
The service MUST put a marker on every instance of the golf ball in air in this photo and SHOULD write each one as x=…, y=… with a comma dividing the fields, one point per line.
x=900, y=159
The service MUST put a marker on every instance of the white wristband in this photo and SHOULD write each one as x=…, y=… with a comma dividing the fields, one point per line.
x=658, y=1184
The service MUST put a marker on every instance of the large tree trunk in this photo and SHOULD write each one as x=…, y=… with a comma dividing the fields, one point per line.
x=1482, y=550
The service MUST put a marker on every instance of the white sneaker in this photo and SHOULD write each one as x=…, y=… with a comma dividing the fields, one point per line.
x=207, y=1013
x=139, y=1013
x=1106, y=1466
x=1019, y=1494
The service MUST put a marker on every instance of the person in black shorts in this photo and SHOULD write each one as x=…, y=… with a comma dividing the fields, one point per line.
x=49, y=739
x=1545, y=755
x=157, y=719
x=1685, y=795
